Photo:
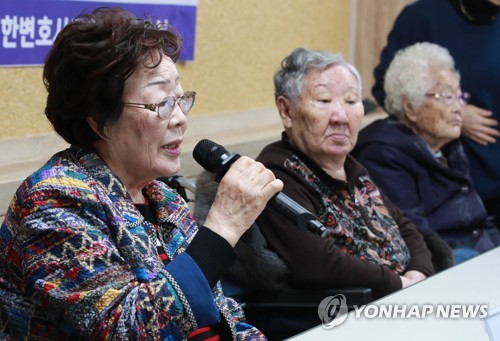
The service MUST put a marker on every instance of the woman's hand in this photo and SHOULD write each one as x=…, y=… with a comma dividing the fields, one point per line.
x=241, y=196
x=478, y=125
x=412, y=277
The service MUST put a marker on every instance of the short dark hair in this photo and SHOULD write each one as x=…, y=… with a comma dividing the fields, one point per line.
x=86, y=69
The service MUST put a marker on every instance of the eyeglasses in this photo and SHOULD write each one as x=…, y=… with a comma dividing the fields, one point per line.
x=449, y=99
x=166, y=106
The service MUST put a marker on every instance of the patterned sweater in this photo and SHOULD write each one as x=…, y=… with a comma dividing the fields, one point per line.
x=369, y=242
x=78, y=261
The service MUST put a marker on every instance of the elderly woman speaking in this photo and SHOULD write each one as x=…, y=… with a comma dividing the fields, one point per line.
x=94, y=248
x=415, y=156
x=370, y=243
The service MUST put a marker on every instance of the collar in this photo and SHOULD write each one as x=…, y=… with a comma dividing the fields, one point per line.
x=353, y=168
x=478, y=12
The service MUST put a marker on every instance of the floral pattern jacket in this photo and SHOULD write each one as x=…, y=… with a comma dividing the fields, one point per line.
x=369, y=242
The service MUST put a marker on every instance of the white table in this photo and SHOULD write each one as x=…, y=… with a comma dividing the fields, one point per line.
x=474, y=282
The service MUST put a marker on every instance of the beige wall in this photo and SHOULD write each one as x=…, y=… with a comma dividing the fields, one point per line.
x=239, y=44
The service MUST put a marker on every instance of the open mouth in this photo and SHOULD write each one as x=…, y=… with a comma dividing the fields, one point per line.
x=172, y=146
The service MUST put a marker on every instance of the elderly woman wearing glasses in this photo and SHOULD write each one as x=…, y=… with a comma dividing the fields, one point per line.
x=93, y=247
x=415, y=156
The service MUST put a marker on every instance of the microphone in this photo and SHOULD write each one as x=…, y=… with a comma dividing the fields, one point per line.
x=216, y=159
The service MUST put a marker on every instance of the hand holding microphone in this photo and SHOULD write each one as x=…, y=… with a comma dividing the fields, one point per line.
x=244, y=190
x=216, y=159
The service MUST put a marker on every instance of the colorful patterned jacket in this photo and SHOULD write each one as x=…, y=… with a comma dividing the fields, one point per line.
x=78, y=261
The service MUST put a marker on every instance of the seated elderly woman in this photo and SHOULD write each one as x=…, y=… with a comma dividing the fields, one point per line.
x=369, y=242
x=415, y=155
x=93, y=247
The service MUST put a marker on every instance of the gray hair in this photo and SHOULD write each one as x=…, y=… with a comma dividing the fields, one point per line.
x=289, y=78
x=408, y=75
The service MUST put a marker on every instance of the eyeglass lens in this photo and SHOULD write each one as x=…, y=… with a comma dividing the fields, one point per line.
x=449, y=99
x=166, y=107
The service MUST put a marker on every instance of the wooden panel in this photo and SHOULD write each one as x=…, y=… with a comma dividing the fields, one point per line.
x=372, y=21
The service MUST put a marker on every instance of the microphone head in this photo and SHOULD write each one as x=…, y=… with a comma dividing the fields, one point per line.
x=208, y=154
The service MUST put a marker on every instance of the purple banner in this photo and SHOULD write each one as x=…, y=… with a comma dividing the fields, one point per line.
x=29, y=27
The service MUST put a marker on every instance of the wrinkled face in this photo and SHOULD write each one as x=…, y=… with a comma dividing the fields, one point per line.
x=325, y=122
x=435, y=121
x=143, y=146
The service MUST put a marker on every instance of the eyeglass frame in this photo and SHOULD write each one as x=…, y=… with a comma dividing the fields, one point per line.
x=156, y=106
x=442, y=97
